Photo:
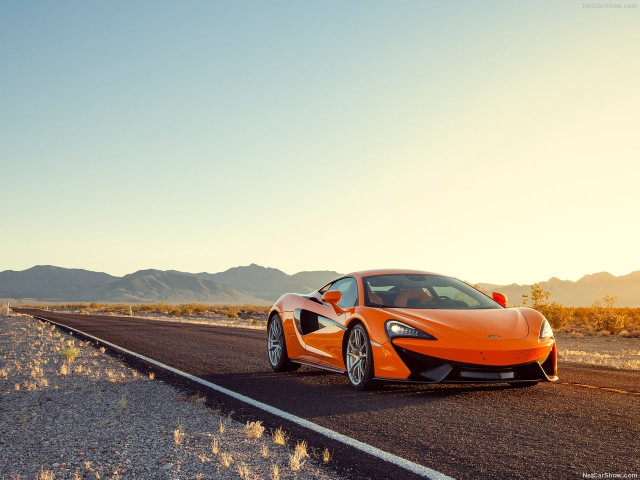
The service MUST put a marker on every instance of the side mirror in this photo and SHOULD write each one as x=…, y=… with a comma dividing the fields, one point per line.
x=332, y=297
x=500, y=298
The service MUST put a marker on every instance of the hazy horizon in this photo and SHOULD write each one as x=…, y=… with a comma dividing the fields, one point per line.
x=491, y=141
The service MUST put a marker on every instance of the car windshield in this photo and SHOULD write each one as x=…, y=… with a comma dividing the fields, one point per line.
x=423, y=291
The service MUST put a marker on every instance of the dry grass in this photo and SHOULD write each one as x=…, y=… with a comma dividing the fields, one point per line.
x=279, y=437
x=300, y=454
x=178, y=435
x=275, y=472
x=264, y=451
x=326, y=456
x=152, y=376
x=225, y=459
x=215, y=446
x=70, y=353
x=44, y=474
x=301, y=449
x=243, y=471
x=581, y=329
x=254, y=429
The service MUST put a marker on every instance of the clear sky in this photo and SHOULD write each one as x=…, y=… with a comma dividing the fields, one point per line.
x=495, y=141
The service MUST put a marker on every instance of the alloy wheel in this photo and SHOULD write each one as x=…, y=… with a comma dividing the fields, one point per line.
x=275, y=341
x=357, y=355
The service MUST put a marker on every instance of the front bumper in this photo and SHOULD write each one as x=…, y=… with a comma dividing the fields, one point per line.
x=428, y=369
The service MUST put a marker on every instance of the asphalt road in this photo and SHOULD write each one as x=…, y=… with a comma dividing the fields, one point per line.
x=554, y=431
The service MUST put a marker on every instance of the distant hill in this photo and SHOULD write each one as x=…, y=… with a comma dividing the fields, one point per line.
x=251, y=284
x=47, y=282
x=171, y=287
x=581, y=293
x=270, y=283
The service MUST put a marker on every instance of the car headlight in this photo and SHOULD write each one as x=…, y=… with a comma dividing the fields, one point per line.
x=396, y=329
x=545, y=331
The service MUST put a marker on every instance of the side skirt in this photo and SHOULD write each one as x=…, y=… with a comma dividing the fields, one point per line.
x=318, y=365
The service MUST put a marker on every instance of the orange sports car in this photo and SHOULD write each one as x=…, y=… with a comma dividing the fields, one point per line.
x=410, y=326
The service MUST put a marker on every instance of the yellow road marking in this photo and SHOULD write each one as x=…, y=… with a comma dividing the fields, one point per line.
x=616, y=390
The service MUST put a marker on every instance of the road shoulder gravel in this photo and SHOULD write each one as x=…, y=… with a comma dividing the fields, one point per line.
x=72, y=410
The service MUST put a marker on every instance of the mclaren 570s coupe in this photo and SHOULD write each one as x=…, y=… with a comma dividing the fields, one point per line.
x=410, y=326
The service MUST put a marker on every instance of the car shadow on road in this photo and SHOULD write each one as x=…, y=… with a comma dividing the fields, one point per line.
x=327, y=394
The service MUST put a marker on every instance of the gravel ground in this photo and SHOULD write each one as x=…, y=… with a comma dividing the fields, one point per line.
x=94, y=417
x=611, y=350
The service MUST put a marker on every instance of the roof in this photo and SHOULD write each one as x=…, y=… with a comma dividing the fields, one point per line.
x=389, y=271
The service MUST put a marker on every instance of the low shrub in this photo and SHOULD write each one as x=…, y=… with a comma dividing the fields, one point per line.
x=601, y=318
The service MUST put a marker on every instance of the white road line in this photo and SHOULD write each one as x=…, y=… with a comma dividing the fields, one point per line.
x=364, y=447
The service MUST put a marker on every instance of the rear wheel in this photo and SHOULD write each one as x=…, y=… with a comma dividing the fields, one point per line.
x=358, y=358
x=277, y=348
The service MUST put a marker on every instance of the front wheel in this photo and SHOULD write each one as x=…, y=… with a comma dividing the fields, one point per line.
x=358, y=358
x=277, y=348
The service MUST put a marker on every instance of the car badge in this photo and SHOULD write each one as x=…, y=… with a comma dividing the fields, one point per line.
x=494, y=336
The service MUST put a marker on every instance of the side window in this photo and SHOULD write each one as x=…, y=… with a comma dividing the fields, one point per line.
x=349, y=289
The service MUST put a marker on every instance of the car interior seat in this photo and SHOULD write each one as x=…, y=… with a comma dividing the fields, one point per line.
x=411, y=297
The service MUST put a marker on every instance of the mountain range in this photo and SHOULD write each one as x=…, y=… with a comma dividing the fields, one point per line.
x=254, y=284
x=251, y=284
x=580, y=293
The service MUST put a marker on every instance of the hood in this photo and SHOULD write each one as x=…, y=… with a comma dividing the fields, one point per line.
x=508, y=323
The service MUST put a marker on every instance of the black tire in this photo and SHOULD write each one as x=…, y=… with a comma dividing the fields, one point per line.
x=532, y=383
x=358, y=358
x=277, y=348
